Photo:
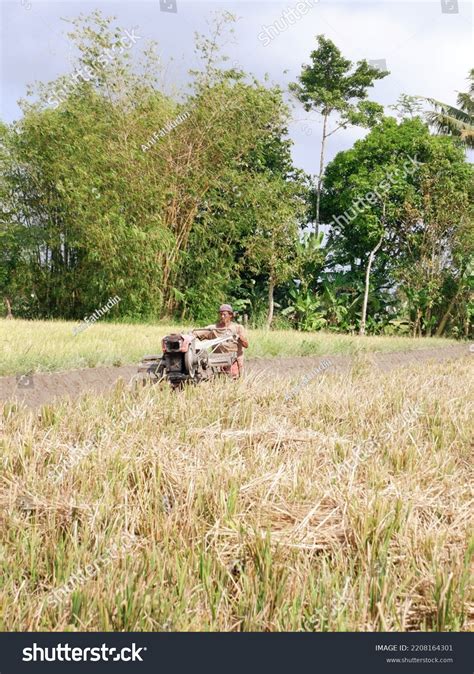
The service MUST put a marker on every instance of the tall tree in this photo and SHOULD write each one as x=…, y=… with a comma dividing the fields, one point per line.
x=436, y=241
x=333, y=86
x=271, y=247
x=426, y=185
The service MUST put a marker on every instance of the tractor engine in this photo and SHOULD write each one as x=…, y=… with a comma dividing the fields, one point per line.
x=186, y=358
x=181, y=359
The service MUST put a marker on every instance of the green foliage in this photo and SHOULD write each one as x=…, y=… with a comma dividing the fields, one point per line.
x=103, y=208
x=311, y=258
x=331, y=84
x=101, y=197
x=407, y=106
x=424, y=186
x=305, y=310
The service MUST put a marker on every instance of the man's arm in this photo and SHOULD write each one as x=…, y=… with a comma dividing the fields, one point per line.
x=242, y=337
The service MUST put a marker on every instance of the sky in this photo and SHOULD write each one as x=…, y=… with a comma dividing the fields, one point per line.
x=427, y=47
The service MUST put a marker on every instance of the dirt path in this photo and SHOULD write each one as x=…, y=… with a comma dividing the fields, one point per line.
x=44, y=388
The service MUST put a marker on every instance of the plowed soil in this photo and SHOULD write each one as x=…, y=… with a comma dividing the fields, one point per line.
x=44, y=388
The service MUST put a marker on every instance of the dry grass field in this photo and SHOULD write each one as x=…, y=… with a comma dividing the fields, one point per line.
x=48, y=346
x=225, y=507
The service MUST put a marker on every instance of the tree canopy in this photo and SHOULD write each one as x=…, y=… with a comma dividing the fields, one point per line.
x=112, y=187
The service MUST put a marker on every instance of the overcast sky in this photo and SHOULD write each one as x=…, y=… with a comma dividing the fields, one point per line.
x=427, y=50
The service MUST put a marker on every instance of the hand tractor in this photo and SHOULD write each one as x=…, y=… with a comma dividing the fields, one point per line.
x=186, y=358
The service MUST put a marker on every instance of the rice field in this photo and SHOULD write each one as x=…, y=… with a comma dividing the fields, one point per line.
x=48, y=346
x=225, y=507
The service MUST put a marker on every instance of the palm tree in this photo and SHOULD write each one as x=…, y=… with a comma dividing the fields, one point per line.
x=452, y=121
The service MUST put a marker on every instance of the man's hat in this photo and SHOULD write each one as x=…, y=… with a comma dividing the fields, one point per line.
x=226, y=307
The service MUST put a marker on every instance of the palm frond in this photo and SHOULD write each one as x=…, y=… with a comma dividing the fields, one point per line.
x=466, y=102
x=449, y=111
x=452, y=121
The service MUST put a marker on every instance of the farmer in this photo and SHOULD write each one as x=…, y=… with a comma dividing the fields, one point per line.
x=225, y=326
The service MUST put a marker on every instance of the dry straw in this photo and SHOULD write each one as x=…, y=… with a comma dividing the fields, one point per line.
x=247, y=516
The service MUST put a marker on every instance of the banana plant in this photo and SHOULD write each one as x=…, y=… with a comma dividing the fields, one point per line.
x=305, y=310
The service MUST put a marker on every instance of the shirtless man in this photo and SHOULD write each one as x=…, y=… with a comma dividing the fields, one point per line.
x=225, y=326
